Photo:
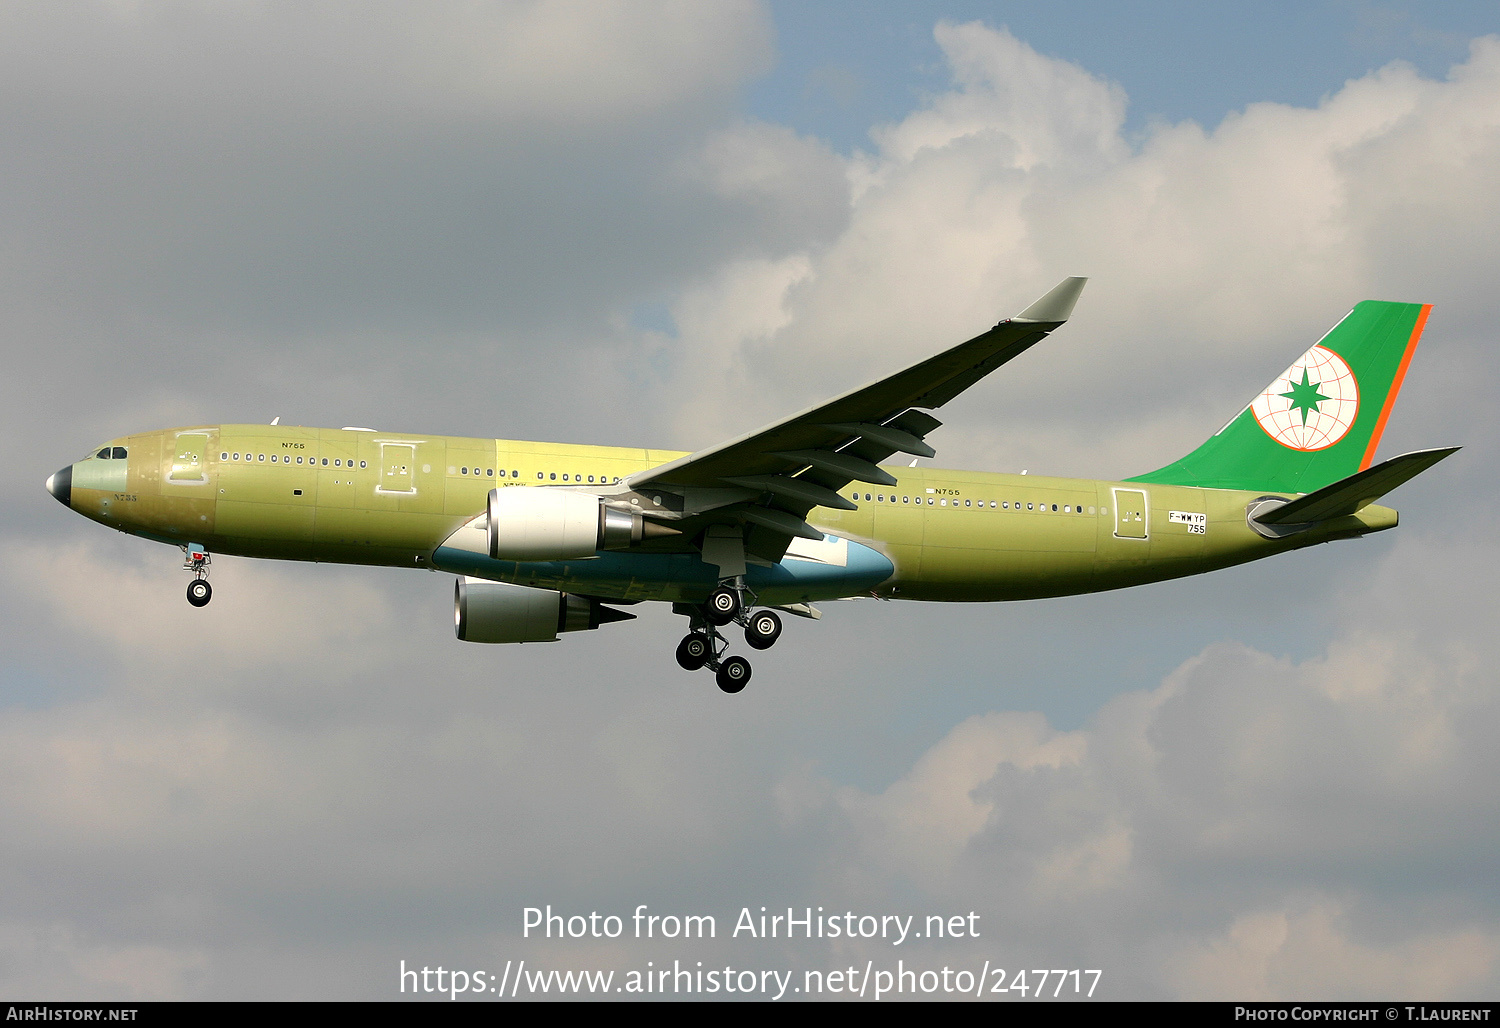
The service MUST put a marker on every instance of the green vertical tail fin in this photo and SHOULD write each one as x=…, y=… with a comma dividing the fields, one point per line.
x=1321, y=419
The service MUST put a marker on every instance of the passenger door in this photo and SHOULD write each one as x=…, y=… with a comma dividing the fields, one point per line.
x=1131, y=515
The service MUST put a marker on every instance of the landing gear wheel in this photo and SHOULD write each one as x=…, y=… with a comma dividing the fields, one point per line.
x=763, y=629
x=693, y=652
x=723, y=606
x=199, y=592
x=733, y=674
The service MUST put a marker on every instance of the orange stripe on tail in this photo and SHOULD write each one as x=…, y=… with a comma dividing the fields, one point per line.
x=1390, y=396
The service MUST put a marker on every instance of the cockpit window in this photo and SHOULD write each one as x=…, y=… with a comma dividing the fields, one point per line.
x=119, y=453
x=103, y=453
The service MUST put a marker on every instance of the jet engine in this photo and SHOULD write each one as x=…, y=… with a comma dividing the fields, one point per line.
x=527, y=523
x=498, y=612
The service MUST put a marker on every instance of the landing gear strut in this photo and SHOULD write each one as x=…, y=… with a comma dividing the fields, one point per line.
x=195, y=559
x=705, y=645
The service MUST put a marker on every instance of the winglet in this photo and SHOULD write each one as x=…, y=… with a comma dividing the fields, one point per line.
x=1057, y=306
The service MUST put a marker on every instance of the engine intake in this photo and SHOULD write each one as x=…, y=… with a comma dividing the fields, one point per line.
x=498, y=612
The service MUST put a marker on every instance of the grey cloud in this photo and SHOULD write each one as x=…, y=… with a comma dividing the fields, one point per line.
x=1341, y=798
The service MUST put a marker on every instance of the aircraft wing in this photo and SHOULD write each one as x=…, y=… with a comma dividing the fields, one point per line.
x=772, y=477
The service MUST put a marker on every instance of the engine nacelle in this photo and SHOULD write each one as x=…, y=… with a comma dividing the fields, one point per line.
x=498, y=612
x=527, y=523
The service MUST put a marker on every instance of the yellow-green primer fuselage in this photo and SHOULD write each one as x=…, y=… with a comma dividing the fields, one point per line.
x=361, y=497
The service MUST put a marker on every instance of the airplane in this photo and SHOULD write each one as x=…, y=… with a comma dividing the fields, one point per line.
x=550, y=538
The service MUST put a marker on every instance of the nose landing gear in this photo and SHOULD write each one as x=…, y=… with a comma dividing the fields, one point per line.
x=195, y=559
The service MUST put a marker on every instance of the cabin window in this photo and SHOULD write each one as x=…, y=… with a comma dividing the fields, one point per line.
x=224, y=455
x=325, y=462
x=262, y=458
x=553, y=476
x=1054, y=507
x=463, y=470
x=513, y=474
x=299, y=460
x=362, y=464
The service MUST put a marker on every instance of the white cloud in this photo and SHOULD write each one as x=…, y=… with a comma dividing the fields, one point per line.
x=1029, y=111
x=1214, y=256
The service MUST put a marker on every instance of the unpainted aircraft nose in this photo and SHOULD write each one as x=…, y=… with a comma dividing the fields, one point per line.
x=60, y=485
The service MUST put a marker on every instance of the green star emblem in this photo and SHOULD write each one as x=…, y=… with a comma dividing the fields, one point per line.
x=1305, y=397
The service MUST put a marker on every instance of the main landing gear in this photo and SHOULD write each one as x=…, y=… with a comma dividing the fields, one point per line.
x=704, y=646
x=195, y=559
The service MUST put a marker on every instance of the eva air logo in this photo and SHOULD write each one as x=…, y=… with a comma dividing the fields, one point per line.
x=1312, y=404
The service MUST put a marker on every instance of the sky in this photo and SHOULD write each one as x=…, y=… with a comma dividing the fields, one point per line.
x=666, y=224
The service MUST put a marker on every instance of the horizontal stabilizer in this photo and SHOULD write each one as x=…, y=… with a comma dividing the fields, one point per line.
x=1351, y=495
